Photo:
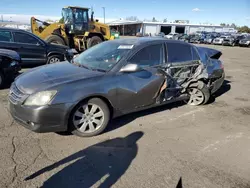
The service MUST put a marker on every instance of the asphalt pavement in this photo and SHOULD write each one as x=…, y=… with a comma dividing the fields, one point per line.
x=171, y=146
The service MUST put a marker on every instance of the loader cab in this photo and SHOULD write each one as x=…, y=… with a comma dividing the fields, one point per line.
x=76, y=20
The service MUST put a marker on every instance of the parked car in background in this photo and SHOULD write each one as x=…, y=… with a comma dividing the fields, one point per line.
x=171, y=35
x=9, y=65
x=245, y=42
x=111, y=79
x=33, y=50
x=161, y=34
x=229, y=41
x=209, y=39
x=184, y=38
x=197, y=39
x=219, y=40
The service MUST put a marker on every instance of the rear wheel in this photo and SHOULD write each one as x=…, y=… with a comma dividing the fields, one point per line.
x=93, y=41
x=54, y=39
x=199, y=94
x=89, y=118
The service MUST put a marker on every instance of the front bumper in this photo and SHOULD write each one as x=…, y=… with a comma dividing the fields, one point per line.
x=245, y=44
x=219, y=43
x=227, y=43
x=51, y=118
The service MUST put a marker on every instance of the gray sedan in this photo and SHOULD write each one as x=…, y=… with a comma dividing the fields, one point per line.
x=112, y=79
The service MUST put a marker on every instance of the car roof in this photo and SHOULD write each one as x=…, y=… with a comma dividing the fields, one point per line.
x=144, y=40
x=11, y=29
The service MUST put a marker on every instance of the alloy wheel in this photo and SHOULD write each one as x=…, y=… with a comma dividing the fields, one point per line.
x=54, y=60
x=88, y=118
x=196, y=96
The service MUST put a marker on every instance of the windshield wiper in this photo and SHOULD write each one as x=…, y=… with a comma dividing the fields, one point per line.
x=80, y=65
x=100, y=70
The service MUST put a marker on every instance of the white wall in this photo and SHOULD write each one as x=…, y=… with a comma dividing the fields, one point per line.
x=150, y=28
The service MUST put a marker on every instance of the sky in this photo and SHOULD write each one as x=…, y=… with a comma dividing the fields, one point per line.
x=197, y=11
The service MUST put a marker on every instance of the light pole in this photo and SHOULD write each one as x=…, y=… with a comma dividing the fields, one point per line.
x=103, y=13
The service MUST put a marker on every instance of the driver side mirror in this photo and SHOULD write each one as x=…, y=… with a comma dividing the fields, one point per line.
x=131, y=68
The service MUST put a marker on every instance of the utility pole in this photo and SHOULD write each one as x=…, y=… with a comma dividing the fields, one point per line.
x=2, y=18
x=104, y=13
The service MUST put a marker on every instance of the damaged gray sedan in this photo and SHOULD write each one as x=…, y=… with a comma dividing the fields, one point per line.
x=112, y=79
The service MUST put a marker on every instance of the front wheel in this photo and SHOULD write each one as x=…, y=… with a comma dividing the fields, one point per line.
x=198, y=94
x=89, y=118
x=93, y=41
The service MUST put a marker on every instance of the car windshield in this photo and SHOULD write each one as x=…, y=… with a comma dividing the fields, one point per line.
x=102, y=57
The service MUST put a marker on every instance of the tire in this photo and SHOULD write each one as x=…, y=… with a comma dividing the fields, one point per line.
x=93, y=41
x=202, y=90
x=55, y=39
x=97, y=119
x=54, y=59
x=2, y=80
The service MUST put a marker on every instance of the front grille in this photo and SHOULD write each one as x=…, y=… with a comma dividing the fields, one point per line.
x=15, y=95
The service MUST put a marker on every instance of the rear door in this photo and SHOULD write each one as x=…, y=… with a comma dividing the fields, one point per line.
x=7, y=41
x=183, y=61
x=139, y=89
x=31, y=50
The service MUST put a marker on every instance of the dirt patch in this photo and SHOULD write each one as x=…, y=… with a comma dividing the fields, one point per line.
x=241, y=99
x=244, y=110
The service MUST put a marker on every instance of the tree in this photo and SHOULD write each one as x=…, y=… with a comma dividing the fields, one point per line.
x=223, y=24
x=233, y=25
x=154, y=20
x=61, y=20
x=165, y=20
x=244, y=29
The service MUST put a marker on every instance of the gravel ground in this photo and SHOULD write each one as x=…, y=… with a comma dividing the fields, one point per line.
x=206, y=146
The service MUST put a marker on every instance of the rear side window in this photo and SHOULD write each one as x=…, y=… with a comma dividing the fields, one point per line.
x=195, y=55
x=149, y=56
x=5, y=36
x=179, y=52
x=24, y=38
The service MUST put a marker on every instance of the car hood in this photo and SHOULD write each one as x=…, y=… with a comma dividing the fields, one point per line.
x=48, y=76
x=11, y=54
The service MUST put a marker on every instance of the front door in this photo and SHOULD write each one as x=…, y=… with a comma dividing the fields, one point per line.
x=31, y=50
x=140, y=89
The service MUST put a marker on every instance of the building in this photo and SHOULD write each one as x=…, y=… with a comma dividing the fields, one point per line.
x=132, y=27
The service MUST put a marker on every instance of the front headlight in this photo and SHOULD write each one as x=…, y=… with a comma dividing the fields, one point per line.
x=248, y=42
x=40, y=99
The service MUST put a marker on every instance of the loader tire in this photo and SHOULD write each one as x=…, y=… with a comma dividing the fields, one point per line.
x=55, y=39
x=93, y=41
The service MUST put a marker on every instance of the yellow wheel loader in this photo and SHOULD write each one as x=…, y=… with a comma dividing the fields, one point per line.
x=75, y=29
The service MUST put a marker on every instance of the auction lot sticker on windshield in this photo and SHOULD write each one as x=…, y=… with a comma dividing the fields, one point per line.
x=126, y=47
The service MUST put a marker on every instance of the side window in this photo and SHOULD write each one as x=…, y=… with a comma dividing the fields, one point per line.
x=178, y=52
x=24, y=38
x=195, y=54
x=149, y=56
x=5, y=36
